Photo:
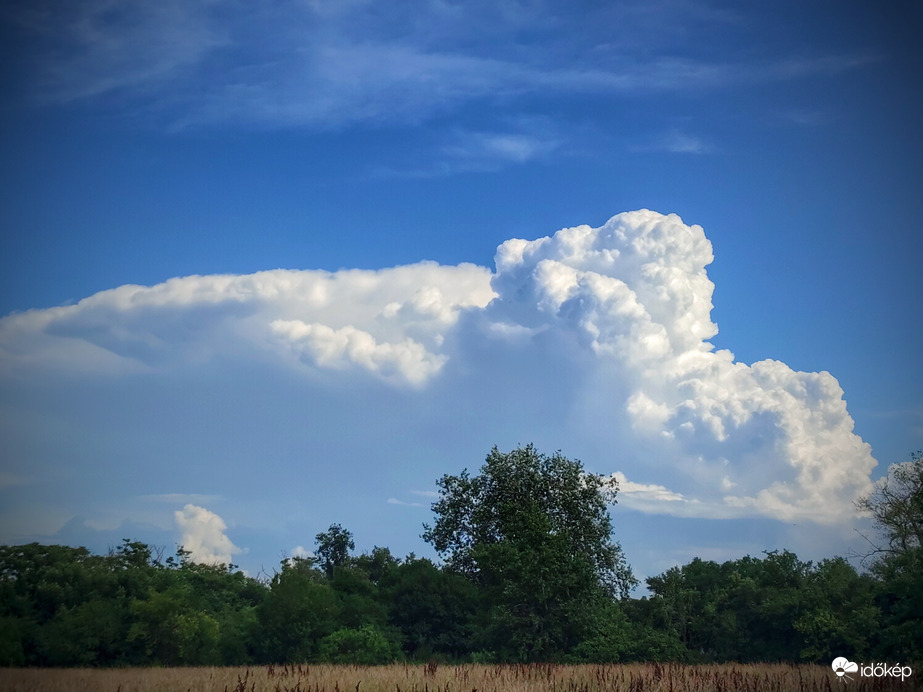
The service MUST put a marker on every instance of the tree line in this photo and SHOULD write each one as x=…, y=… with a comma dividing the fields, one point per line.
x=529, y=571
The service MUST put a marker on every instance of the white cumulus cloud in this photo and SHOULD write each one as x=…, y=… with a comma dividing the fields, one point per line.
x=203, y=535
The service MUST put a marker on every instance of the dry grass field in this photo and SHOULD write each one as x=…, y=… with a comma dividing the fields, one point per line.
x=444, y=678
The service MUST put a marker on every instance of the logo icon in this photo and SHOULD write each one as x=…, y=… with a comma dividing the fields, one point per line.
x=842, y=666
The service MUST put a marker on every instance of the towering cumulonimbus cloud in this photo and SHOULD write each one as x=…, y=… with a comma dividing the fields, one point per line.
x=203, y=535
x=629, y=301
x=768, y=439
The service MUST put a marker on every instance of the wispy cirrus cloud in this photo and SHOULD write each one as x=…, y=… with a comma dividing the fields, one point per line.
x=97, y=47
x=485, y=149
x=469, y=151
x=312, y=65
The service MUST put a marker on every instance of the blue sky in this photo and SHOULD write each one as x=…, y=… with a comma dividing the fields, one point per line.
x=251, y=282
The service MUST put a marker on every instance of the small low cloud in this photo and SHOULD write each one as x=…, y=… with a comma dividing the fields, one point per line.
x=300, y=551
x=651, y=492
x=203, y=535
x=651, y=498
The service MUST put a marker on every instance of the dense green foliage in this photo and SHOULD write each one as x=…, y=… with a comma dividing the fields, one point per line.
x=531, y=573
x=533, y=533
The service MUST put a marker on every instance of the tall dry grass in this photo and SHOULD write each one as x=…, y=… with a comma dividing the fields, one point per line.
x=439, y=678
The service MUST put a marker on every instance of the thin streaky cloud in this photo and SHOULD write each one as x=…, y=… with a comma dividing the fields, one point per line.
x=93, y=48
x=201, y=63
x=466, y=151
x=401, y=503
x=491, y=148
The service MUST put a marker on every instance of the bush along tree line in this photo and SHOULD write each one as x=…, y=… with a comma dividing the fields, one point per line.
x=529, y=572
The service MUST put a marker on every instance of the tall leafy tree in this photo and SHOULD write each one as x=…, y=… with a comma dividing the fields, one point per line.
x=333, y=546
x=534, y=532
x=896, y=507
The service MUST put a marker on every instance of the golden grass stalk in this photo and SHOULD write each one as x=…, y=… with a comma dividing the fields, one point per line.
x=650, y=677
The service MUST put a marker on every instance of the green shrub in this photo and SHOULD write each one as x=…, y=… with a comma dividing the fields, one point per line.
x=363, y=646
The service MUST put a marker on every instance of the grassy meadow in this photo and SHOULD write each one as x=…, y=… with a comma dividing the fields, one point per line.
x=445, y=678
